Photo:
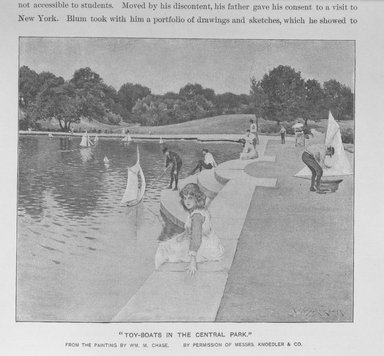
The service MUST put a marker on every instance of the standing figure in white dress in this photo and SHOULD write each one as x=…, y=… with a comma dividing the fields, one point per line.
x=198, y=243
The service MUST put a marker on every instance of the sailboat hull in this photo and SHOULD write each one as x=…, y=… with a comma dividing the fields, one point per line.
x=133, y=193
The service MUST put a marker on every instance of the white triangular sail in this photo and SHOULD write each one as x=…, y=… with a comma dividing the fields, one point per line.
x=96, y=139
x=135, y=189
x=86, y=140
x=339, y=163
x=127, y=138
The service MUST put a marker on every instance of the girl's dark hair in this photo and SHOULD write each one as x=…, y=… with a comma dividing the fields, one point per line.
x=193, y=190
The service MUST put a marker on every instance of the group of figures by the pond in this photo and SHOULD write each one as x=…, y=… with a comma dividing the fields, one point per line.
x=199, y=242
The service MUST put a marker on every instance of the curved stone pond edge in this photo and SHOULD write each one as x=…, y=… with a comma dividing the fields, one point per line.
x=170, y=294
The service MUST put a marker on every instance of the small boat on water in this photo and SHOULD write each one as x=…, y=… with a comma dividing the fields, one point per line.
x=86, y=140
x=50, y=135
x=161, y=141
x=127, y=138
x=136, y=185
x=95, y=139
x=106, y=160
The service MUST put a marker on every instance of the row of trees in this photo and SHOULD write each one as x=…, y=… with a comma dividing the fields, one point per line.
x=45, y=97
x=191, y=103
x=281, y=95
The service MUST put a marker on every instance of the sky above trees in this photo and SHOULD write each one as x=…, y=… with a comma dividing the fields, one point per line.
x=166, y=65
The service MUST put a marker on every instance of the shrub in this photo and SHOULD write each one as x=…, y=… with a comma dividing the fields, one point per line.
x=269, y=127
x=347, y=136
x=112, y=118
x=290, y=130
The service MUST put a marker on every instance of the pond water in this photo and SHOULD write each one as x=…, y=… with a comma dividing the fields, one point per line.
x=80, y=255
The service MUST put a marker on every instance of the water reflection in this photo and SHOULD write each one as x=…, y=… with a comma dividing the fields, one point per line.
x=65, y=143
x=80, y=255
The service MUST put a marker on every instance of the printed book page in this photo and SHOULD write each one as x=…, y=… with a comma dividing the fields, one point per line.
x=195, y=177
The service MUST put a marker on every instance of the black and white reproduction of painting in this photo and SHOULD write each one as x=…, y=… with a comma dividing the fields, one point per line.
x=185, y=180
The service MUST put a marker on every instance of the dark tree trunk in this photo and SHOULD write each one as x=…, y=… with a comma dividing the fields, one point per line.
x=61, y=125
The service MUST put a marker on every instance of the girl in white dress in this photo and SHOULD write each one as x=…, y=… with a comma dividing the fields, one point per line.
x=199, y=242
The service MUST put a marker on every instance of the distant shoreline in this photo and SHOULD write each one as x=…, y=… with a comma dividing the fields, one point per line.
x=147, y=137
x=234, y=138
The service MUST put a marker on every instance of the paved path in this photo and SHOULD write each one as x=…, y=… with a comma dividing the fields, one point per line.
x=282, y=262
x=294, y=260
x=170, y=294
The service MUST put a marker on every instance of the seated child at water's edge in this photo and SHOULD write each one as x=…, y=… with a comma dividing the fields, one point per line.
x=249, y=152
x=198, y=243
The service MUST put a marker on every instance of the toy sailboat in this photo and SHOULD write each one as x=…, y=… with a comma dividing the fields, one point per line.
x=135, y=188
x=86, y=140
x=338, y=163
x=127, y=138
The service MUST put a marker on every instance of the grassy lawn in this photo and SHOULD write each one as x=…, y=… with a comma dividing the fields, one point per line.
x=224, y=124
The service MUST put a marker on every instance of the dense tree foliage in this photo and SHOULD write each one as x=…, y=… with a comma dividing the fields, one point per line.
x=58, y=101
x=339, y=99
x=316, y=107
x=285, y=94
x=47, y=97
x=29, y=86
x=281, y=95
x=128, y=95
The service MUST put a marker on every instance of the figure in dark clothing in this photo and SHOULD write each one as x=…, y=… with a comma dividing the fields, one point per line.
x=314, y=157
x=283, y=131
x=173, y=159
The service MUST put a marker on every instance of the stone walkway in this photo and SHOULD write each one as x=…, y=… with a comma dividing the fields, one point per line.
x=170, y=294
x=294, y=260
x=282, y=263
